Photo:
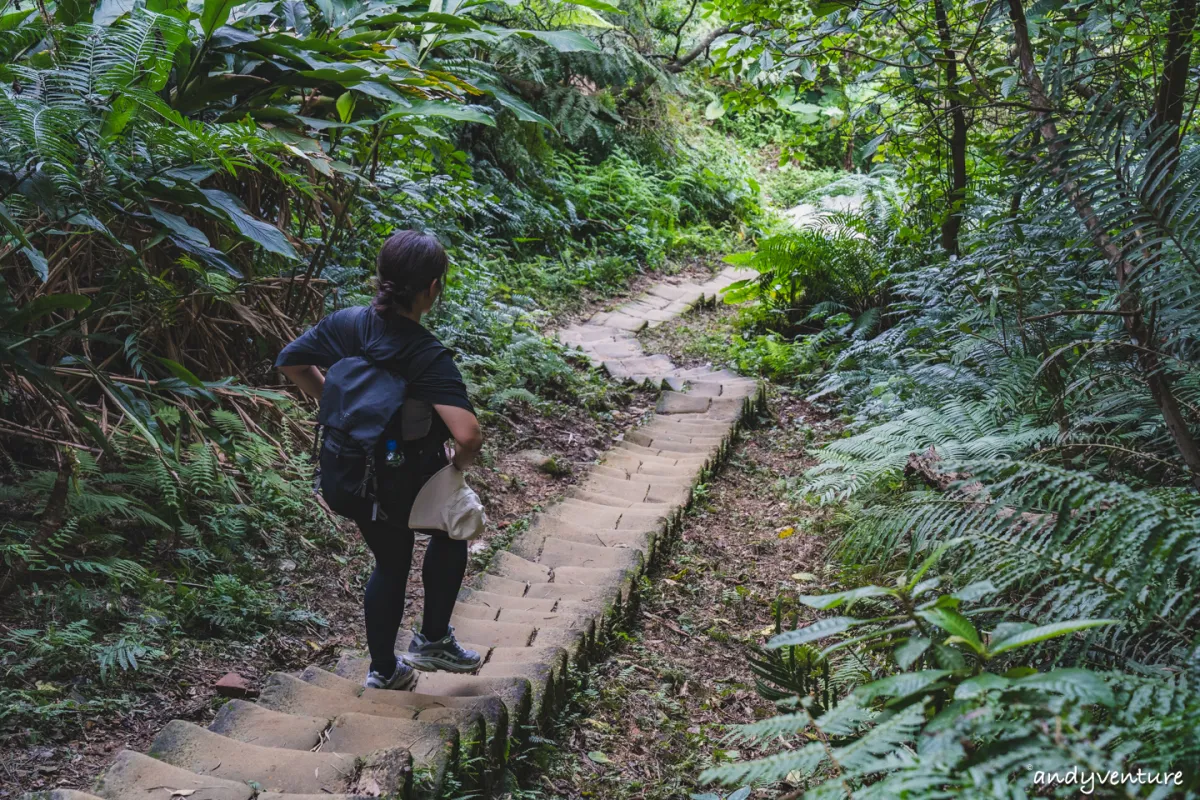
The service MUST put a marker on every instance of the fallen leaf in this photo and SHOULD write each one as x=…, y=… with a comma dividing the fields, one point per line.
x=784, y=533
x=804, y=577
x=599, y=757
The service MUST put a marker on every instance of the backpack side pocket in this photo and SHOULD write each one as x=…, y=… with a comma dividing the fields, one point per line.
x=343, y=470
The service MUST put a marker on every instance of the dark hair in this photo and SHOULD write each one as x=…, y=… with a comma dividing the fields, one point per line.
x=408, y=262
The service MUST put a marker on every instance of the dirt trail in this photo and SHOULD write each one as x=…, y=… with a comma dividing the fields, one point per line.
x=539, y=609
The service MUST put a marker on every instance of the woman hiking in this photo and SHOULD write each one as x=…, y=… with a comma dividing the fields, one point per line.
x=387, y=343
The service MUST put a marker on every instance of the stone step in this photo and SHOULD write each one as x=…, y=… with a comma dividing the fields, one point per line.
x=695, y=458
x=493, y=634
x=638, y=539
x=673, y=292
x=501, y=661
x=589, y=333
x=516, y=568
x=254, y=724
x=655, y=457
x=498, y=584
x=697, y=424
x=614, y=598
x=515, y=693
x=190, y=747
x=585, y=512
x=539, y=619
x=133, y=776
x=625, y=499
x=436, y=750
x=482, y=719
x=434, y=746
x=641, y=490
x=653, y=468
x=610, y=472
x=680, y=403
x=489, y=600
x=554, y=552
x=658, y=432
x=619, y=321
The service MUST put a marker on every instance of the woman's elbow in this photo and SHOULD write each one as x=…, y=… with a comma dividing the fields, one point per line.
x=472, y=439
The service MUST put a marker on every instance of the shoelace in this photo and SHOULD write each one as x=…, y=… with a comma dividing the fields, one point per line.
x=451, y=643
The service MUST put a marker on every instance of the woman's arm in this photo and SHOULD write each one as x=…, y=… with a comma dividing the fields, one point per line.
x=464, y=427
x=308, y=378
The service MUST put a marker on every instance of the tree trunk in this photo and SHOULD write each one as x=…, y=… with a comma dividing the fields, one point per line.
x=952, y=224
x=848, y=156
x=1135, y=324
x=1170, y=97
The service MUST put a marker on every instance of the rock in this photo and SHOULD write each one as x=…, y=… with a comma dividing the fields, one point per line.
x=233, y=685
x=287, y=565
x=543, y=462
x=535, y=458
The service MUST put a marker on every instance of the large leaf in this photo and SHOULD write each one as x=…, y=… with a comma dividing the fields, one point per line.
x=339, y=12
x=266, y=236
x=71, y=12
x=821, y=629
x=215, y=14
x=443, y=108
x=519, y=107
x=598, y=5
x=1041, y=633
x=564, y=41
x=118, y=117
x=902, y=685
x=178, y=225
x=828, y=601
x=46, y=304
x=180, y=371
x=912, y=649
x=955, y=624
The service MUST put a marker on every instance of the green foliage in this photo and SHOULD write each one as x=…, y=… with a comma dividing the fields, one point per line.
x=789, y=186
x=1028, y=393
x=950, y=675
x=832, y=279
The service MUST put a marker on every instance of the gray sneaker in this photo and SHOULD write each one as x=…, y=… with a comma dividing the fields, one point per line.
x=446, y=653
x=401, y=678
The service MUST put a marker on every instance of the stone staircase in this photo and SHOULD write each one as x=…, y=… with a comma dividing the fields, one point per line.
x=541, y=610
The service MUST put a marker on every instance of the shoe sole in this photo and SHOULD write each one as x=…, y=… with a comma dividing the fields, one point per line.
x=434, y=664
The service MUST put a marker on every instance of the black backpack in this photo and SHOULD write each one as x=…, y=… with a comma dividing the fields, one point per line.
x=358, y=420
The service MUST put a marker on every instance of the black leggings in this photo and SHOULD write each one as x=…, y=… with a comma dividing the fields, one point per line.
x=442, y=575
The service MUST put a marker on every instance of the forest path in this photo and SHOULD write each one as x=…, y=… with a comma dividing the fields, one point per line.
x=657, y=712
x=808, y=214
x=540, y=610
